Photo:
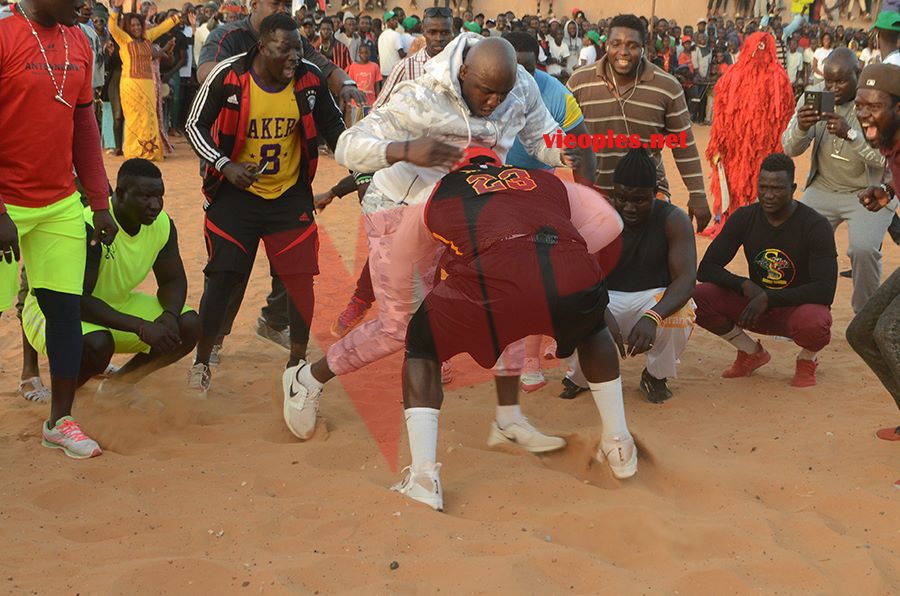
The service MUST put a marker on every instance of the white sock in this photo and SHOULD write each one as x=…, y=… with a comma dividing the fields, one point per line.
x=306, y=378
x=422, y=428
x=741, y=340
x=509, y=415
x=806, y=355
x=608, y=397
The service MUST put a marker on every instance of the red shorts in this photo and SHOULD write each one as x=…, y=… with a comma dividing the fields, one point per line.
x=514, y=290
x=237, y=220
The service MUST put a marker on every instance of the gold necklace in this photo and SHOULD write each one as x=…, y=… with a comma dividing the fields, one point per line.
x=59, y=88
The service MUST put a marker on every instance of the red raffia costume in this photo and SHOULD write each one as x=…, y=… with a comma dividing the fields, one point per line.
x=752, y=105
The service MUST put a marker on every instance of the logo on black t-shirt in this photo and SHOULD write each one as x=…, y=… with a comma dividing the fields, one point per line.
x=776, y=268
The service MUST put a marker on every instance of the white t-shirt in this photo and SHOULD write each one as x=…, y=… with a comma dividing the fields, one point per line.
x=389, y=45
x=794, y=65
x=557, y=52
x=587, y=55
x=870, y=56
x=820, y=54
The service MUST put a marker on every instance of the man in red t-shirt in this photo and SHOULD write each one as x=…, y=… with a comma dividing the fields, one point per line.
x=45, y=76
x=874, y=332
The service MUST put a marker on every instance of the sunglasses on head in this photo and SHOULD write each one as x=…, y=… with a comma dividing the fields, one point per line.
x=438, y=11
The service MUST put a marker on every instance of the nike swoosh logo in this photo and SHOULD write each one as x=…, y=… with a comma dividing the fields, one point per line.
x=291, y=391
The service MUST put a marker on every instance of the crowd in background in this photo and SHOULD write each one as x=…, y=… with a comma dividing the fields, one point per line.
x=157, y=78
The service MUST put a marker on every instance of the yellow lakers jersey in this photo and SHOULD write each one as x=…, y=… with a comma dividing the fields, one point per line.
x=271, y=139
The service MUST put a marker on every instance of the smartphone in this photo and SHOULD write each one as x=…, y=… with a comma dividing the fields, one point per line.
x=822, y=101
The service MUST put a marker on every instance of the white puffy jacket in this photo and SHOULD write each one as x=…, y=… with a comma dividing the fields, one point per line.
x=433, y=106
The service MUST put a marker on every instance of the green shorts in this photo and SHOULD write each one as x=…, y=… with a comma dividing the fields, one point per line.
x=143, y=306
x=53, y=245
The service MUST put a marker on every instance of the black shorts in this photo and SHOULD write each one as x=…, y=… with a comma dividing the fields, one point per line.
x=510, y=294
x=237, y=220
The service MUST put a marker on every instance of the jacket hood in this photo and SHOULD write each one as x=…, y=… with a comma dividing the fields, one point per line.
x=444, y=67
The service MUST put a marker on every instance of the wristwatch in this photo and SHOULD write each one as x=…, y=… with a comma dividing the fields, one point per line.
x=349, y=83
x=852, y=135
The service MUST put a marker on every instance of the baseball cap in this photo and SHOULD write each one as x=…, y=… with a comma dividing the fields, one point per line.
x=409, y=23
x=387, y=16
x=593, y=36
x=888, y=20
x=472, y=26
x=883, y=77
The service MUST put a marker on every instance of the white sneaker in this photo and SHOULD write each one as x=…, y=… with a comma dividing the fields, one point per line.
x=200, y=378
x=532, y=381
x=67, y=435
x=525, y=436
x=423, y=486
x=621, y=455
x=301, y=404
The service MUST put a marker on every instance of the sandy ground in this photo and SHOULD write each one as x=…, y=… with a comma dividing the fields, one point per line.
x=744, y=486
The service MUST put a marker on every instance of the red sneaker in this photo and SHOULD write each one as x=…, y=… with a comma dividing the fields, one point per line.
x=805, y=373
x=746, y=363
x=889, y=434
x=352, y=315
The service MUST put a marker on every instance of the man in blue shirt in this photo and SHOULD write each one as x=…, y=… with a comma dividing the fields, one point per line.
x=558, y=99
x=564, y=109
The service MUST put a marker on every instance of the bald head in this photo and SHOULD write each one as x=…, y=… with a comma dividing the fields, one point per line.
x=841, y=59
x=487, y=75
x=841, y=72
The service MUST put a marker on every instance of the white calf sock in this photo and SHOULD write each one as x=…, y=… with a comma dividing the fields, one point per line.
x=741, y=340
x=422, y=428
x=509, y=415
x=806, y=355
x=608, y=397
x=307, y=379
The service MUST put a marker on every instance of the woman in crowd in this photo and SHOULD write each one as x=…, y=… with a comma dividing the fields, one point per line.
x=137, y=89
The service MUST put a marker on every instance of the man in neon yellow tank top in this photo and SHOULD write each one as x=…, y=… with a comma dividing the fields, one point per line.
x=116, y=319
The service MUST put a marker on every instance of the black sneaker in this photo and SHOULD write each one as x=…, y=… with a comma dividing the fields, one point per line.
x=571, y=390
x=656, y=390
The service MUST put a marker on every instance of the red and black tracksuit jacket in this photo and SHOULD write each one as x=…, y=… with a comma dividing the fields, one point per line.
x=217, y=123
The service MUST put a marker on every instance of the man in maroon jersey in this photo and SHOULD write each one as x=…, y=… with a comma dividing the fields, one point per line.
x=521, y=250
x=45, y=76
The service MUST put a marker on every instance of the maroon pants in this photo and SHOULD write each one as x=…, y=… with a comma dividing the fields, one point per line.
x=809, y=325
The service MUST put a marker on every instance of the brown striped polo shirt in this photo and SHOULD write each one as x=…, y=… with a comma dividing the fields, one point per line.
x=657, y=106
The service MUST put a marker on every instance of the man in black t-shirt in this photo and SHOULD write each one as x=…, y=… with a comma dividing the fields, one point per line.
x=792, y=261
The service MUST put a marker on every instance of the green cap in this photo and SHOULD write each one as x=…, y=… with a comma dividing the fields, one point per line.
x=472, y=26
x=888, y=20
x=593, y=36
x=409, y=23
x=388, y=16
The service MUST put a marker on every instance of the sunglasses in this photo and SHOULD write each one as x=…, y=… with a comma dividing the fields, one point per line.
x=438, y=11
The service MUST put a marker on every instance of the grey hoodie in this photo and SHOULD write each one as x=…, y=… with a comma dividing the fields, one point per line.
x=433, y=106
